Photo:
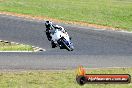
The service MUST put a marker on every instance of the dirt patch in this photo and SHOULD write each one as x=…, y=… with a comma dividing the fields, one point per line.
x=59, y=21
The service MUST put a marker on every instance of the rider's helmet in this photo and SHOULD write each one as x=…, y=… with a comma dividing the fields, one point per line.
x=48, y=24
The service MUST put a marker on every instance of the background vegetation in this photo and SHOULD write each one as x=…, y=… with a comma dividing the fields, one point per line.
x=114, y=13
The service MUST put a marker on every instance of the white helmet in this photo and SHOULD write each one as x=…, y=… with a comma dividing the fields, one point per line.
x=48, y=23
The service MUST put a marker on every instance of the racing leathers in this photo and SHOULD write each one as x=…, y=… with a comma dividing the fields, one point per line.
x=52, y=30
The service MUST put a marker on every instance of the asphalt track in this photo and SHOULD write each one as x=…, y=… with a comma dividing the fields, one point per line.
x=93, y=48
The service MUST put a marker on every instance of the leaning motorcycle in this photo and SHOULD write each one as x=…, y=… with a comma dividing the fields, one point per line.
x=62, y=40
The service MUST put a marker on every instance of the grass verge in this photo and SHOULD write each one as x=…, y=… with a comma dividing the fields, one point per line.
x=14, y=47
x=113, y=13
x=56, y=79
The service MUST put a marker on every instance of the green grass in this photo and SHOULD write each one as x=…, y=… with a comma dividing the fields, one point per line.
x=56, y=79
x=14, y=47
x=114, y=13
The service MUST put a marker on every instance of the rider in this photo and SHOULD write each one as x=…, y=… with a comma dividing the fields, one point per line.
x=50, y=28
x=48, y=25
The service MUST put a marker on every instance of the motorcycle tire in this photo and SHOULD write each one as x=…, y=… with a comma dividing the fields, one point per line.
x=65, y=45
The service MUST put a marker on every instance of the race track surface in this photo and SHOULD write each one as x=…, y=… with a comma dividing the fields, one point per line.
x=93, y=48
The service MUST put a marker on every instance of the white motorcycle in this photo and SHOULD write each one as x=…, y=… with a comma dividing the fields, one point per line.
x=62, y=40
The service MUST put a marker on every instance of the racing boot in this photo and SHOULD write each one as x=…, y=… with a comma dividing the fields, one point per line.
x=53, y=44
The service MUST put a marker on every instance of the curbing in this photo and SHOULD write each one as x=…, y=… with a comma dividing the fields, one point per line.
x=35, y=49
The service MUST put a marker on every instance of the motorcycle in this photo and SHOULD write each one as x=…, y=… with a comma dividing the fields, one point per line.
x=62, y=40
